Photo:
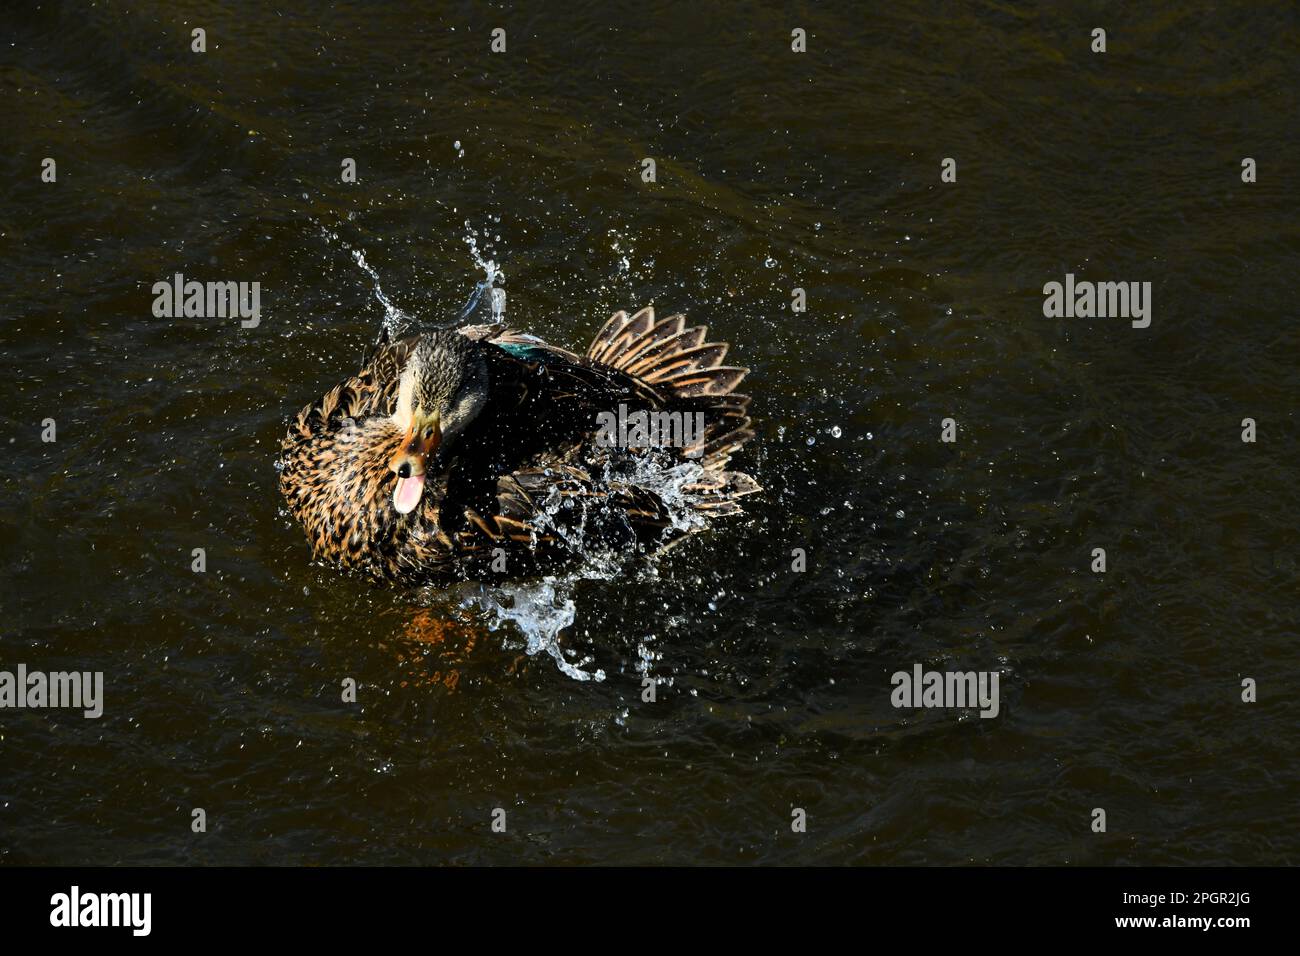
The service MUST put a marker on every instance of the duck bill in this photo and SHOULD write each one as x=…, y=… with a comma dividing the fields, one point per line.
x=411, y=462
x=406, y=496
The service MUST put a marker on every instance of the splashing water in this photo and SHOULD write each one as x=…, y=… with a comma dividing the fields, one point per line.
x=539, y=611
x=398, y=322
x=669, y=483
x=395, y=320
x=491, y=274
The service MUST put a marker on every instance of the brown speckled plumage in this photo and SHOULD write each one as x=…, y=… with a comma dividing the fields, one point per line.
x=526, y=476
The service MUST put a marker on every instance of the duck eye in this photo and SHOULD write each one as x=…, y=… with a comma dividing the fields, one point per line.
x=428, y=433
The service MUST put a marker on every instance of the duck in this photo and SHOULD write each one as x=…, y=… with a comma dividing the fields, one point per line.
x=484, y=452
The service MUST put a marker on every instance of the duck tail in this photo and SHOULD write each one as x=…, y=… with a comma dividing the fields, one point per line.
x=680, y=365
x=666, y=354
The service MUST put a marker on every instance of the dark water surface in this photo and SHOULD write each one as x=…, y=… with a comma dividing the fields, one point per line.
x=775, y=170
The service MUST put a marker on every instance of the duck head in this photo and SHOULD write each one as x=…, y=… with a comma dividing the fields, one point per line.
x=442, y=388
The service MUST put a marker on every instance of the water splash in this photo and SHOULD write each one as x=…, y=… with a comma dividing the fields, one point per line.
x=395, y=320
x=669, y=482
x=492, y=273
x=539, y=611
